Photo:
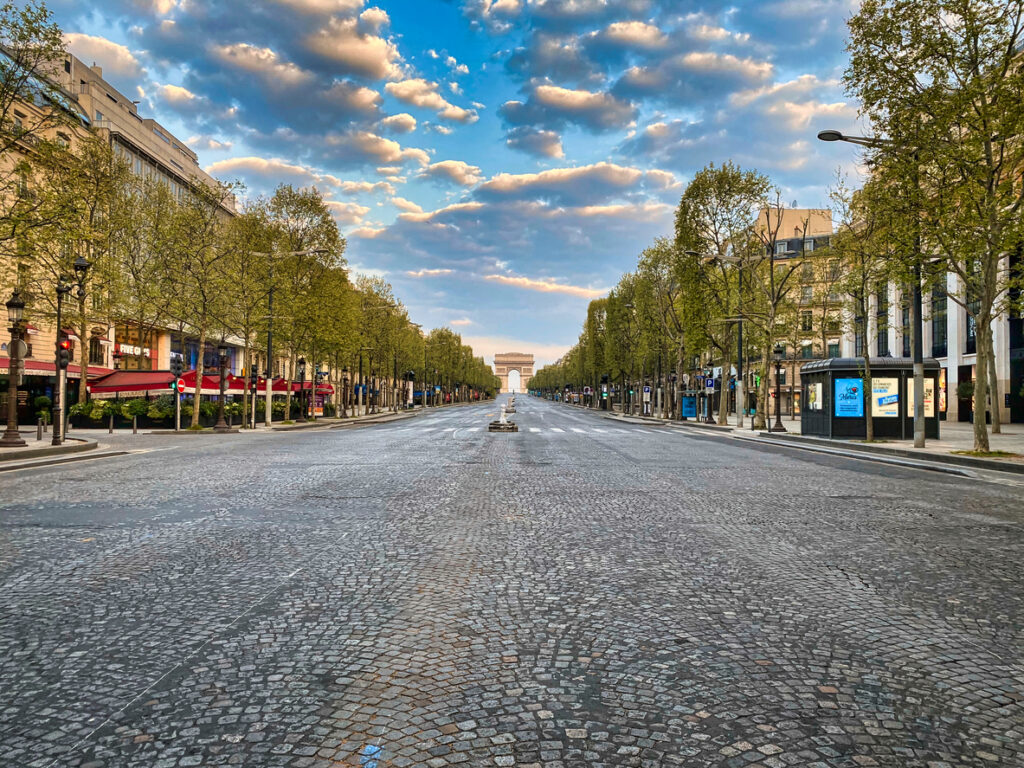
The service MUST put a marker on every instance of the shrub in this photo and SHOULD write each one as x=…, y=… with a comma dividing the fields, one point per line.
x=134, y=407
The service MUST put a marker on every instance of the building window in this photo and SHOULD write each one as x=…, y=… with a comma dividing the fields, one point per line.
x=833, y=349
x=96, y=356
x=939, y=317
x=806, y=321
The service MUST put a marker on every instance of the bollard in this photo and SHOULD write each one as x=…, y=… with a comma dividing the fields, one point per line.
x=39, y=428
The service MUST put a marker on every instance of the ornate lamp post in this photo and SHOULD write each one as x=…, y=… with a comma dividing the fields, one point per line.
x=222, y=425
x=302, y=391
x=344, y=392
x=15, y=311
x=778, y=354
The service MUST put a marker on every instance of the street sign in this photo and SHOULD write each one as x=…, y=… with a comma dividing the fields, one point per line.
x=178, y=385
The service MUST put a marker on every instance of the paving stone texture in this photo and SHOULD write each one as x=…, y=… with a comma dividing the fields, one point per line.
x=420, y=594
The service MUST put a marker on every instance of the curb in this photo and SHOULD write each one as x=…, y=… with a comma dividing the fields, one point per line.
x=54, y=450
x=934, y=466
x=959, y=461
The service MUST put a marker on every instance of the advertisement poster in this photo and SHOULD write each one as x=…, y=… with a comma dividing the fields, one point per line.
x=814, y=398
x=942, y=390
x=929, y=398
x=849, y=398
x=885, y=397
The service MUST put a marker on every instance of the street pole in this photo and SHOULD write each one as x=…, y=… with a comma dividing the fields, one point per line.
x=269, y=383
x=15, y=308
x=58, y=395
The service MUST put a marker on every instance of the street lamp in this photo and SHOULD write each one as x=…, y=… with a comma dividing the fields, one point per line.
x=344, y=392
x=778, y=354
x=302, y=391
x=15, y=311
x=918, y=351
x=222, y=425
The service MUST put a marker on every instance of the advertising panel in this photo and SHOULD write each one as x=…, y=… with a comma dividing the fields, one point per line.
x=814, y=398
x=690, y=407
x=929, y=398
x=885, y=398
x=849, y=400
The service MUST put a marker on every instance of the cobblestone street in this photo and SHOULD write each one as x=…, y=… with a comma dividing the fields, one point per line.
x=583, y=593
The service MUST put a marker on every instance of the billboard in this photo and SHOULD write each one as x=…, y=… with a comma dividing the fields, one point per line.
x=849, y=399
x=885, y=398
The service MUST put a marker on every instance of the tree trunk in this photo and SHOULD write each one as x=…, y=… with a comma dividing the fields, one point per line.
x=993, y=383
x=984, y=332
x=199, y=374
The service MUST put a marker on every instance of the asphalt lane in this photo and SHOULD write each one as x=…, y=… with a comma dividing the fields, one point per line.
x=582, y=593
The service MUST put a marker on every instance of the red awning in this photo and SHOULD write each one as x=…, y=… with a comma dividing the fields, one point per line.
x=47, y=368
x=134, y=381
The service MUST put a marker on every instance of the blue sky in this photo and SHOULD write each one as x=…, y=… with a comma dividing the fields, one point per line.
x=500, y=162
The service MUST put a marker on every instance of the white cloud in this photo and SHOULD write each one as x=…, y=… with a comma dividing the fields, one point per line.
x=115, y=59
x=406, y=205
x=454, y=170
x=355, y=52
x=400, y=123
x=422, y=93
x=276, y=73
x=346, y=214
x=428, y=272
x=546, y=285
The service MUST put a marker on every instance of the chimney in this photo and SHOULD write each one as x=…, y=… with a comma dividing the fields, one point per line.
x=97, y=69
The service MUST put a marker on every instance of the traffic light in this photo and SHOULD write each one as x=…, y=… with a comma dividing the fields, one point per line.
x=63, y=352
x=176, y=367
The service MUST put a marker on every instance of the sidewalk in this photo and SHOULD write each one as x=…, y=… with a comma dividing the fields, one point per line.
x=955, y=437
x=36, y=449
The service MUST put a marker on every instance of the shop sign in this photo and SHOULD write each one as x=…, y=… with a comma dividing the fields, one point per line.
x=849, y=402
x=929, y=398
x=132, y=350
x=885, y=398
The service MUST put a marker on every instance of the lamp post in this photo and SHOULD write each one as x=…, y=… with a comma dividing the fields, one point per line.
x=302, y=391
x=918, y=350
x=15, y=311
x=344, y=392
x=778, y=354
x=222, y=355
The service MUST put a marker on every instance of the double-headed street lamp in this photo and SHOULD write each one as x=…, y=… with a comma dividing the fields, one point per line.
x=778, y=354
x=918, y=350
x=302, y=391
x=15, y=312
x=222, y=358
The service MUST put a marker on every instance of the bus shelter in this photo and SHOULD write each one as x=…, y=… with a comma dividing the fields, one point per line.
x=836, y=401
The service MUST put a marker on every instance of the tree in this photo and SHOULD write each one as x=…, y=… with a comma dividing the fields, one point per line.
x=940, y=81
x=32, y=108
x=712, y=220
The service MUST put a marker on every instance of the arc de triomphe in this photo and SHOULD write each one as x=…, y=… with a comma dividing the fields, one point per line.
x=506, y=362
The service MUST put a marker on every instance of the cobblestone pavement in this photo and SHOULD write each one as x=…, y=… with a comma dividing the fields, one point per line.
x=582, y=593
